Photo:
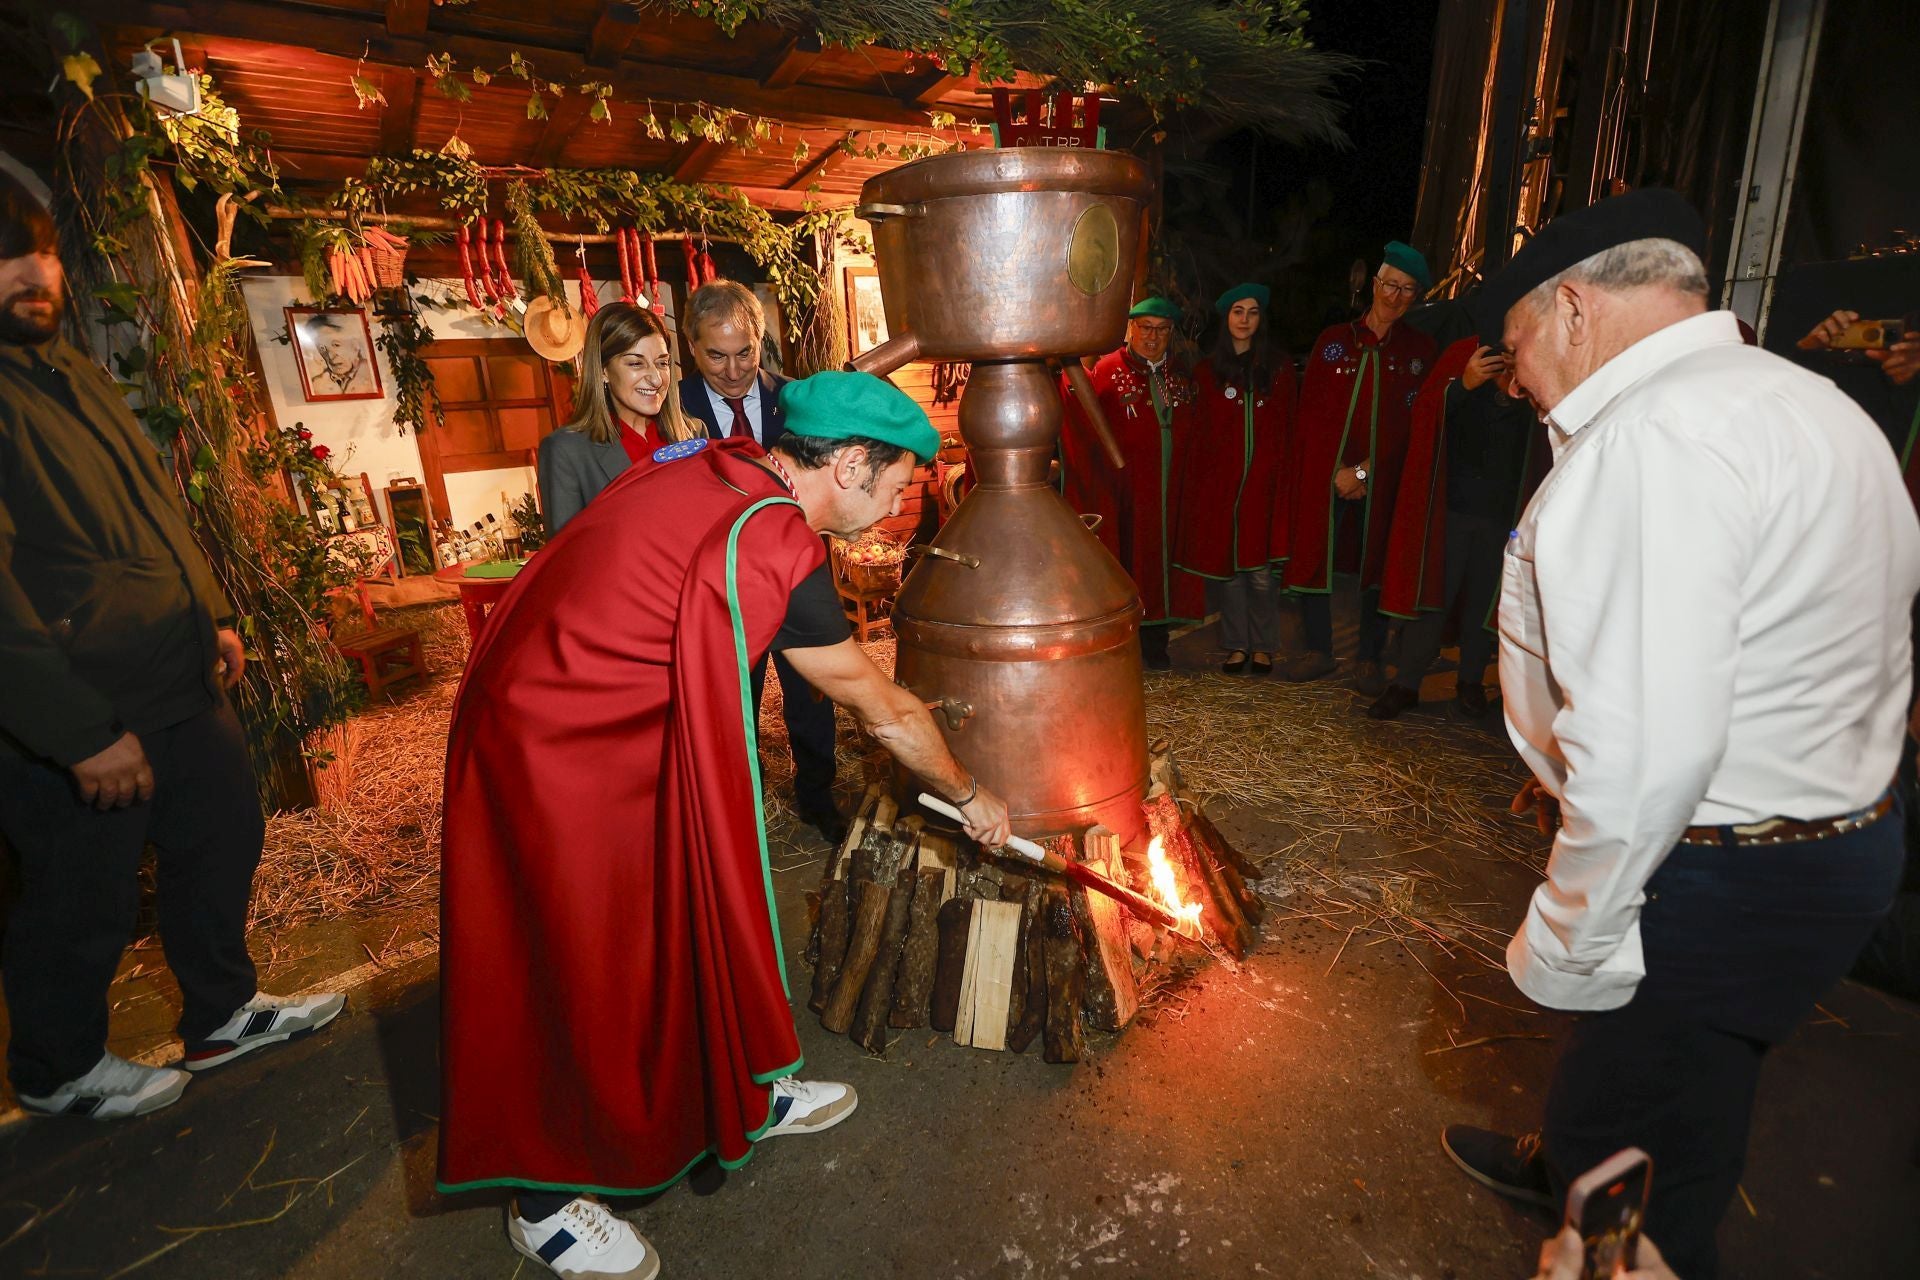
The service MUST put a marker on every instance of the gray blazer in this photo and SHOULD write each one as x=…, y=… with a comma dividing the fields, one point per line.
x=573, y=469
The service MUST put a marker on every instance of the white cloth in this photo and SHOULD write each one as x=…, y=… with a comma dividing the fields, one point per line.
x=1703, y=620
x=723, y=412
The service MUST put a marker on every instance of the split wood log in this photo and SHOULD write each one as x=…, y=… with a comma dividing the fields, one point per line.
x=1062, y=1038
x=1207, y=838
x=919, y=957
x=863, y=944
x=839, y=868
x=832, y=942
x=1211, y=837
x=1032, y=965
x=954, y=921
x=1238, y=934
x=986, y=987
x=876, y=1002
x=1111, y=997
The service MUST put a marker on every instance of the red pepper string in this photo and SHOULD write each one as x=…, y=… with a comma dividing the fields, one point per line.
x=485, y=273
x=589, y=296
x=693, y=264
x=508, y=291
x=466, y=271
x=626, y=265
x=651, y=274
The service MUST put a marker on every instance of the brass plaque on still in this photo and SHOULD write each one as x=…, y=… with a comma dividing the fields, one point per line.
x=1093, y=255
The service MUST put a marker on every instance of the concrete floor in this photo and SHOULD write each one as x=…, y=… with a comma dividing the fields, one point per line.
x=1278, y=1118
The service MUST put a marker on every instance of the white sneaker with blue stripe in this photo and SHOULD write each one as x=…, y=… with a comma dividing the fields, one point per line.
x=113, y=1090
x=262, y=1021
x=584, y=1241
x=808, y=1106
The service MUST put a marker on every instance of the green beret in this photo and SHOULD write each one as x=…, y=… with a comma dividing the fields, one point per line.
x=1404, y=257
x=1258, y=292
x=1154, y=306
x=836, y=405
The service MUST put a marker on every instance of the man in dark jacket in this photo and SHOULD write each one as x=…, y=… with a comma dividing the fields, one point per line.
x=732, y=395
x=117, y=650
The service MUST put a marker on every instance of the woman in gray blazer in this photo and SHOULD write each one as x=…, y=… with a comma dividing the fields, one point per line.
x=624, y=408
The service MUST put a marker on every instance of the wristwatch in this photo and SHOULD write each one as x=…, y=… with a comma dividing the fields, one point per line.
x=1359, y=473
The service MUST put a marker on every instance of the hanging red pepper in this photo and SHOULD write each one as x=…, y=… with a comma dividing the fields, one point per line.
x=693, y=264
x=626, y=265
x=466, y=271
x=708, y=271
x=589, y=296
x=508, y=292
x=651, y=273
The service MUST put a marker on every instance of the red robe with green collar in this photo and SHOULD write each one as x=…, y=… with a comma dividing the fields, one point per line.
x=1133, y=503
x=1356, y=398
x=1230, y=469
x=614, y=1001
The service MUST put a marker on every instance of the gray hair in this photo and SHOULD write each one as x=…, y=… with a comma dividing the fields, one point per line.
x=724, y=300
x=1632, y=265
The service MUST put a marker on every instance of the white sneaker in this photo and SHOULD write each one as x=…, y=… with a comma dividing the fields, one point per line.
x=808, y=1106
x=584, y=1241
x=262, y=1021
x=113, y=1090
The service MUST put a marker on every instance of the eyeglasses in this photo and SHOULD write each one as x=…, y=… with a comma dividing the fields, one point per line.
x=1389, y=286
x=1153, y=330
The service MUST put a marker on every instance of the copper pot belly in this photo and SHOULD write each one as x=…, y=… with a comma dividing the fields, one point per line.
x=1019, y=615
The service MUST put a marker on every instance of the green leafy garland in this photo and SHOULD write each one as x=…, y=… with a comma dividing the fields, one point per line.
x=180, y=348
x=1242, y=61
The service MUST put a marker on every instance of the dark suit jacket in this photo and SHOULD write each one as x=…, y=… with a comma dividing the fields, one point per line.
x=698, y=405
x=573, y=469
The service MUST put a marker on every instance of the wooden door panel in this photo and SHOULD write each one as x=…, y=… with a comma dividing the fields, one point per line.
x=524, y=428
x=499, y=400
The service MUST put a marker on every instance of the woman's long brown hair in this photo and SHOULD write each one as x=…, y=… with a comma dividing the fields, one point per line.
x=616, y=329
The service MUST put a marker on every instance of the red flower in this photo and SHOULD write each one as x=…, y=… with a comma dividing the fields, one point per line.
x=321, y=453
x=303, y=433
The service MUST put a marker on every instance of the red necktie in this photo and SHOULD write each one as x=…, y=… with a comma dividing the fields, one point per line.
x=740, y=425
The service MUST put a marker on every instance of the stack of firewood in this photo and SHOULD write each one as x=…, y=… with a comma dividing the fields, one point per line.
x=918, y=927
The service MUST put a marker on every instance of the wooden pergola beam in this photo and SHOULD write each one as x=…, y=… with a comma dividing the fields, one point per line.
x=696, y=159
x=402, y=112
x=563, y=119
x=240, y=24
x=792, y=62
x=407, y=17
x=613, y=31
x=932, y=89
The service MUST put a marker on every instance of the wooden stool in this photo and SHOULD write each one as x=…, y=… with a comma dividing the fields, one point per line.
x=386, y=657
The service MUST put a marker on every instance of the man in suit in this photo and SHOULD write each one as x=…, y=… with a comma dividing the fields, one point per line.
x=732, y=395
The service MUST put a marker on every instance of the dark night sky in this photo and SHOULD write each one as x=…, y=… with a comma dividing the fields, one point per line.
x=1368, y=187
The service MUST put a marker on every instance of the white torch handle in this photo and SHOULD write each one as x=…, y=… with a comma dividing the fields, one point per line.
x=1019, y=844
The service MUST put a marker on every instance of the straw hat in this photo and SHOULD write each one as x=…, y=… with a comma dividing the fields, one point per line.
x=554, y=330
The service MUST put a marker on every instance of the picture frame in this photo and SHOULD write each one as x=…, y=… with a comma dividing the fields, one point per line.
x=866, y=316
x=333, y=346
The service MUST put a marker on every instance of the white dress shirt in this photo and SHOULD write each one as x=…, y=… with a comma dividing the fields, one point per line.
x=1703, y=621
x=723, y=412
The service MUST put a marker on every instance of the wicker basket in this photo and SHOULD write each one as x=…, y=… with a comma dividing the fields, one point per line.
x=870, y=580
x=389, y=265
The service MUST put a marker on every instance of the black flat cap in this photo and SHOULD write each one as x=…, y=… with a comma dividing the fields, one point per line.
x=1650, y=213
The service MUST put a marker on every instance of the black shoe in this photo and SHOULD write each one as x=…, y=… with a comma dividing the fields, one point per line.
x=1512, y=1166
x=1308, y=666
x=1470, y=700
x=1369, y=679
x=1396, y=699
x=828, y=821
x=1234, y=666
x=1261, y=665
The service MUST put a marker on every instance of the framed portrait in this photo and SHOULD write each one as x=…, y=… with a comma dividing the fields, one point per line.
x=866, y=317
x=334, y=349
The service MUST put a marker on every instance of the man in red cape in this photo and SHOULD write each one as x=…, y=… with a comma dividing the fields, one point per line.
x=615, y=998
x=1148, y=401
x=1350, y=435
x=1474, y=457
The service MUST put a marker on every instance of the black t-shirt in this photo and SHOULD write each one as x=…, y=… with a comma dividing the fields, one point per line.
x=1487, y=435
x=814, y=616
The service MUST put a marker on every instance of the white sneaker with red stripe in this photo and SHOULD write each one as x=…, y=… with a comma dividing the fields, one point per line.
x=584, y=1241
x=262, y=1021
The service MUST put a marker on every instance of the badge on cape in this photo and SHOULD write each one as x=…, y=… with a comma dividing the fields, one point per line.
x=1335, y=353
x=680, y=449
x=1233, y=393
x=1417, y=366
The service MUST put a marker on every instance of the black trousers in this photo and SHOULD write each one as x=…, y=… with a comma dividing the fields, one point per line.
x=1472, y=560
x=1316, y=618
x=80, y=893
x=810, y=733
x=1739, y=944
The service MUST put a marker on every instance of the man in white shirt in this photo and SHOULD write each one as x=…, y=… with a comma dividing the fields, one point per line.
x=1705, y=653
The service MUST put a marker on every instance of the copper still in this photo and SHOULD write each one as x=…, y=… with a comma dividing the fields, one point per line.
x=1016, y=622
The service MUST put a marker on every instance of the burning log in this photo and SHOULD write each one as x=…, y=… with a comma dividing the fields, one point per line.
x=1111, y=996
x=1062, y=1039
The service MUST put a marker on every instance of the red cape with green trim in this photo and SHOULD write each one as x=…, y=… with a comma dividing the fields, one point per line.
x=614, y=1001
x=1229, y=467
x=1355, y=399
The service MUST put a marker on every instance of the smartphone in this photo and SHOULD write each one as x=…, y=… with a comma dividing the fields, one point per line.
x=1606, y=1206
x=1868, y=335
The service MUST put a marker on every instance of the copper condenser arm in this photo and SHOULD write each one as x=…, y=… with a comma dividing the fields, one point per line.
x=1090, y=405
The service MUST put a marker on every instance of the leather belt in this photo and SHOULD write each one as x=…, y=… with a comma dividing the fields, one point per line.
x=1792, y=830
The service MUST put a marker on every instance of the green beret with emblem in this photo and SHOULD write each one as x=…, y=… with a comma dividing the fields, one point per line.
x=839, y=405
x=1404, y=257
x=1154, y=306
x=1258, y=292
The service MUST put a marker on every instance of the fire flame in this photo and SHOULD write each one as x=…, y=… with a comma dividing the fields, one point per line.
x=1167, y=887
